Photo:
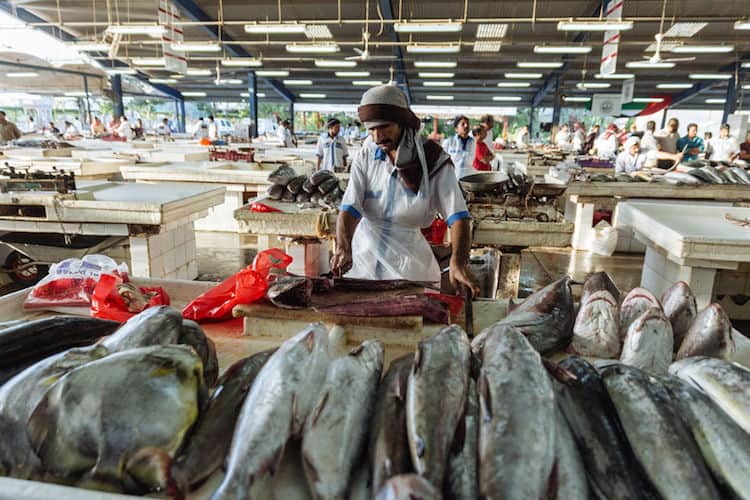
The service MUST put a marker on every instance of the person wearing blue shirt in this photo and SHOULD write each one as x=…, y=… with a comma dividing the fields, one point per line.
x=691, y=145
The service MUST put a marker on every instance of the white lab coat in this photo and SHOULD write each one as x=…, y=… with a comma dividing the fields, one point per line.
x=522, y=139
x=331, y=151
x=213, y=131
x=724, y=149
x=388, y=243
x=285, y=135
x=489, y=140
x=124, y=130
x=606, y=147
x=562, y=139
x=648, y=142
x=462, y=156
x=627, y=163
x=578, y=139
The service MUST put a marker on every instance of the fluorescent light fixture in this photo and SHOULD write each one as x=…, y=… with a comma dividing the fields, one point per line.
x=275, y=29
x=435, y=74
x=439, y=97
x=162, y=80
x=435, y=64
x=366, y=83
x=428, y=27
x=272, y=72
x=334, y=63
x=514, y=85
x=493, y=31
x=318, y=31
x=745, y=65
x=247, y=94
x=75, y=94
x=530, y=76
x=576, y=99
x=324, y=48
x=702, y=49
x=194, y=94
x=649, y=65
x=709, y=76
x=715, y=101
x=746, y=87
x=593, y=85
x=743, y=24
x=539, y=64
x=147, y=61
x=506, y=98
x=647, y=99
x=121, y=71
x=674, y=85
x=594, y=25
x=312, y=96
x=437, y=84
x=196, y=47
x=298, y=82
x=242, y=62
x=487, y=46
x=352, y=74
x=91, y=46
x=231, y=81
x=137, y=29
x=562, y=49
x=684, y=30
x=198, y=72
x=22, y=74
x=614, y=76
x=177, y=76
x=413, y=48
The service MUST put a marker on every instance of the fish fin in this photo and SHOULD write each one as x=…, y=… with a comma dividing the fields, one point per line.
x=310, y=471
x=553, y=484
x=40, y=425
x=149, y=469
x=419, y=443
x=417, y=359
x=319, y=408
x=459, y=438
x=357, y=350
x=558, y=372
x=310, y=340
x=483, y=390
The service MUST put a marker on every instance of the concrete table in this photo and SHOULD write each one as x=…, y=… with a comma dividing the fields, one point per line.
x=156, y=219
x=687, y=243
x=84, y=169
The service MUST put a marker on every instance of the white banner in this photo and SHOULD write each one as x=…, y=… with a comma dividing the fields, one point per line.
x=168, y=14
x=608, y=64
x=628, y=88
x=606, y=105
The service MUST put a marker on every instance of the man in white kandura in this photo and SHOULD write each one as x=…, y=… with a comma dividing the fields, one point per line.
x=726, y=148
x=398, y=183
x=331, y=149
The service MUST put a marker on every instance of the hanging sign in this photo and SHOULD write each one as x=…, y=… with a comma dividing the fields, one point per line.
x=168, y=15
x=608, y=64
x=628, y=88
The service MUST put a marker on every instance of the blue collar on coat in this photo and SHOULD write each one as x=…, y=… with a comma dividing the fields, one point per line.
x=380, y=154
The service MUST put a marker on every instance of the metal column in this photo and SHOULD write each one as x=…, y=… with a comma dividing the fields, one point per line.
x=291, y=114
x=86, y=96
x=118, y=107
x=730, y=106
x=557, y=104
x=252, y=100
x=531, y=123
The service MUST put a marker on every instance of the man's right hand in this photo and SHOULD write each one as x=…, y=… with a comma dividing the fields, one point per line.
x=341, y=261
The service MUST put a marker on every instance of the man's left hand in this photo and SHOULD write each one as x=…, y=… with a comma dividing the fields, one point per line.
x=460, y=275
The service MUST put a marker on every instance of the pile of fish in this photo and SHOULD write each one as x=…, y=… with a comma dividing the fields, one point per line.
x=321, y=188
x=691, y=173
x=42, y=143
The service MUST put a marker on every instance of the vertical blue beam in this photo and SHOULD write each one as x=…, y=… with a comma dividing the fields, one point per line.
x=118, y=107
x=730, y=106
x=182, y=127
x=531, y=123
x=291, y=114
x=252, y=100
x=557, y=104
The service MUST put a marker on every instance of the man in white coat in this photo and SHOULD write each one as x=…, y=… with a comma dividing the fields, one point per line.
x=461, y=147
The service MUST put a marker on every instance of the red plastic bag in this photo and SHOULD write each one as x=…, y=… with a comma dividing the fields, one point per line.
x=455, y=303
x=435, y=234
x=245, y=287
x=108, y=303
x=262, y=207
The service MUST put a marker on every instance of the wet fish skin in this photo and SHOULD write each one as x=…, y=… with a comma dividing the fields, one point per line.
x=680, y=308
x=709, y=335
x=569, y=475
x=606, y=453
x=699, y=173
x=682, y=178
x=726, y=383
x=83, y=429
x=336, y=432
x=408, y=487
x=275, y=410
x=211, y=437
x=389, y=446
x=160, y=325
x=597, y=282
x=723, y=443
x=517, y=412
x=660, y=441
x=435, y=396
x=649, y=342
x=462, y=465
x=713, y=174
x=633, y=305
x=742, y=174
x=18, y=399
x=596, y=331
x=194, y=336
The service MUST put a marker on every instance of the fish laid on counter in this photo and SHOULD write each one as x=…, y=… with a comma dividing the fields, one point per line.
x=115, y=423
x=517, y=420
x=336, y=431
x=194, y=336
x=661, y=442
x=462, y=465
x=403, y=305
x=275, y=410
x=209, y=441
x=726, y=383
x=435, y=400
x=709, y=335
x=723, y=443
x=648, y=344
x=282, y=175
x=160, y=325
x=596, y=331
x=681, y=178
x=290, y=292
x=741, y=174
x=569, y=475
x=600, y=281
x=679, y=306
x=408, y=487
x=606, y=453
x=28, y=342
x=546, y=318
x=635, y=303
x=363, y=285
x=389, y=446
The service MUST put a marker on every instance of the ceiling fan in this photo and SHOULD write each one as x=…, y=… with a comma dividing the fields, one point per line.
x=656, y=58
x=364, y=55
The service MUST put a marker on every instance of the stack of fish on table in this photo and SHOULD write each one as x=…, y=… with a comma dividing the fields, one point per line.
x=489, y=417
x=321, y=188
x=691, y=173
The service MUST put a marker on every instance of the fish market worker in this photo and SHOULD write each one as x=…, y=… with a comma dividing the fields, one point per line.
x=691, y=144
x=398, y=183
x=461, y=147
x=632, y=159
x=331, y=150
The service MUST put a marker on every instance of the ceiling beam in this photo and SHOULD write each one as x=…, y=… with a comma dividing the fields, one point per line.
x=734, y=68
x=195, y=13
x=387, y=11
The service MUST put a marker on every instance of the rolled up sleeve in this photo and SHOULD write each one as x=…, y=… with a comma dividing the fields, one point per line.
x=319, y=148
x=447, y=198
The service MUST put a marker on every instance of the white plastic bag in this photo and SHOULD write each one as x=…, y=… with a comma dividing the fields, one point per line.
x=604, y=239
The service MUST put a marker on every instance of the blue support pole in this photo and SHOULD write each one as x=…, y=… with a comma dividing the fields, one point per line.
x=182, y=126
x=531, y=123
x=118, y=107
x=291, y=114
x=557, y=104
x=730, y=106
x=252, y=100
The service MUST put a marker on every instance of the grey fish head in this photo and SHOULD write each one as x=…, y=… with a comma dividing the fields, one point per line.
x=154, y=326
x=710, y=334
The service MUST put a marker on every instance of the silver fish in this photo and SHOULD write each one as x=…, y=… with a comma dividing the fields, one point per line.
x=633, y=305
x=648, y=343
x=679, y=306
x=727, y=384
x=597, y=282
x=275, y=410
x=742, y=174
x=160, y=325
x=193, y=335
x=336, y=432
x=408, y=487
x=725, y=446
x=435, y=397
x=569, y=476
x=661, y=443
x=115, y=423
x=713, y=174
x=18, y=398
x=597, y=328
x=517, y=412
x=681, y=178
x=709, y=335
x=462, y=466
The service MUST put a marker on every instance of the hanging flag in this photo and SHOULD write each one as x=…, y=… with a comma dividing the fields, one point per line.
x=613, y=12
x=168, y=16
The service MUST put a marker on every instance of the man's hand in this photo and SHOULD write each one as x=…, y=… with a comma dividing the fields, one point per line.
x=461, y=275
x=341, y=261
